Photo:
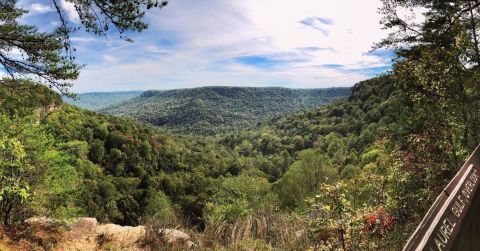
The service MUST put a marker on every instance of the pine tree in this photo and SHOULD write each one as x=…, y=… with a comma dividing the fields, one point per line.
x=48, y=57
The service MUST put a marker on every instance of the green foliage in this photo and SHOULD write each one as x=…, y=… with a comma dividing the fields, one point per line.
x=99, y=17
x=14, y=190
x=350, y=214
x=35, y=179
x=436, y=73
x=159, y=207
x=240, y=196
x=96, y=151
x=337, y=223
x=360, y=170
x=437, y=68
x=60, y=190
x=304, y=177
x=131, y=172
x=39, y=54
x=213, y=110
x=341, y=139
x=24, y=97
x=333, y=218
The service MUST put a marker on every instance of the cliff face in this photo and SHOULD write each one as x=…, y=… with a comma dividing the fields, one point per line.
x=44, y=110
x=21, y=97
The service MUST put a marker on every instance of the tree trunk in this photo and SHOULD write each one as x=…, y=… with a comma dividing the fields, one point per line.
x=342, y=237
x=6, y=213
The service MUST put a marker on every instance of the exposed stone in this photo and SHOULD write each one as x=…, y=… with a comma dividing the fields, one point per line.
x=82, y=227
x=126, y=235
x=87, y=234
x=177, y=238
x=41, y=221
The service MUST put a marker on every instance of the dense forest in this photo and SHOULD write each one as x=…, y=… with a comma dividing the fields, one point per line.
x=99, y=100
x=211, y=110
x=315, y=166
x=358, y=173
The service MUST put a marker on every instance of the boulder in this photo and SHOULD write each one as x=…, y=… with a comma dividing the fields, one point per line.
x=82, y=227
x=177, y=238
x=88, y=234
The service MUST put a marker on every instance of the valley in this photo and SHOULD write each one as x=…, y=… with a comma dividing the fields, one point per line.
x=125, y=171
x=212, y=110
x=173, y=166
x=100, y=100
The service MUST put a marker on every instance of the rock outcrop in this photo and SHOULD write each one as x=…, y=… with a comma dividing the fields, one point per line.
x=86, y=234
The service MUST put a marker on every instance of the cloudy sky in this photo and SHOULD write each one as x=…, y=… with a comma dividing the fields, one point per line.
x=190, y=43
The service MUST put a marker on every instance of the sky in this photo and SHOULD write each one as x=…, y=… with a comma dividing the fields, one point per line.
x=191, y=43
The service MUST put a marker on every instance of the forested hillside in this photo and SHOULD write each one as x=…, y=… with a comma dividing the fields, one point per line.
x=118, y=170
x=210, y=110
x=343, y=170
x=239, y=168
x=98, y=100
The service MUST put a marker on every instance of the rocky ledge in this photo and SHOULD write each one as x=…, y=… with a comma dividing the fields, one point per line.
x=88, y=234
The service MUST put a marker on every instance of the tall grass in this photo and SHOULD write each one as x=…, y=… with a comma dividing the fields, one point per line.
x=268, y=231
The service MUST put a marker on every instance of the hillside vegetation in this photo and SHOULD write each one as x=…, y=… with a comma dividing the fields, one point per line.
x=99, y=100
x=358, y=173
x=345, y=167
x=211, y=110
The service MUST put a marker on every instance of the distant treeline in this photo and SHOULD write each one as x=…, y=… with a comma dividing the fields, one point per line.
x=212, y=110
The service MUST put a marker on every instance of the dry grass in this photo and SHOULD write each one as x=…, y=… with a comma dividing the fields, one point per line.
x=155, y=234
x=104, y=241
x=35, y=236
x=270, y=231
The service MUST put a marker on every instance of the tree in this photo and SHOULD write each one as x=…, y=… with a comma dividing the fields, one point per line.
x=158, y=207
x=304, y=177
x=24, y=51
x=240, y=196
x=338, y=223
x=97, y=151
x=438, y=63
x=14, y=189
x=437, y=73
x=28, y=166
x=332, y=216
x=48, y=56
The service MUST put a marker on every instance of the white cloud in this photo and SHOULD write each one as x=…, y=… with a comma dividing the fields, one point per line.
x=148, y=75
x=77, y=39
x=40, y=8
x=208, y=35
x=69, y=8
x=109, y=59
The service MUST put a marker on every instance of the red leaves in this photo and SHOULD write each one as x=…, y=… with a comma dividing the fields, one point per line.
x=378, y=222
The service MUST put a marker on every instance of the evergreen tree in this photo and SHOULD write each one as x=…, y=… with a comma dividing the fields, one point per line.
x=25, y=52
x=437, y=65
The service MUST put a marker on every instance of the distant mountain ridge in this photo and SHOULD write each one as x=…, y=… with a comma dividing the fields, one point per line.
x=215, y=109
x=99, y=100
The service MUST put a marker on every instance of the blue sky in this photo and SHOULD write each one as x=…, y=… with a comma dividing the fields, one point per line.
x=190, y=43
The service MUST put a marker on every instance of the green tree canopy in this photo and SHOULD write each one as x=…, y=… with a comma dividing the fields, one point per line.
x=438, y=60
x=35, y=179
